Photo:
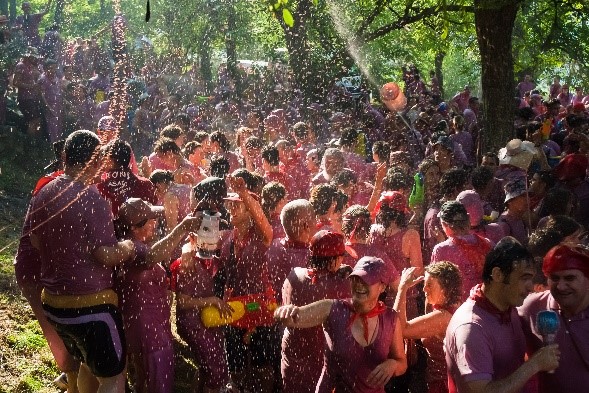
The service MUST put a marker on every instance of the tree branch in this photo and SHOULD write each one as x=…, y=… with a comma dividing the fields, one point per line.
x=408, y=19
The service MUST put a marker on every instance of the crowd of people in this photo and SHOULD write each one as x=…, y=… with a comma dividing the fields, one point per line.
x=339, y=245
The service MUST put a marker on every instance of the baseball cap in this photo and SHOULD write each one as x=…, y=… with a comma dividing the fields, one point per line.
x=135, y=210
x=372, y=270
x=473, y=204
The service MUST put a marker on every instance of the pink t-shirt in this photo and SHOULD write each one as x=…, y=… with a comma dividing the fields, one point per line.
x=468, y=253
x=572, y=374
x=480, y=348
x=71, y=221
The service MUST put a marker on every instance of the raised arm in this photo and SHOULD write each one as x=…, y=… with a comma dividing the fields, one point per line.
x=381, y=172
x=162, y=249
x=253, y=206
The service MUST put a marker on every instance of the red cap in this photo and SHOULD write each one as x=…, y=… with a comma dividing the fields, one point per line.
x=571, y=167
x=564, y=257
x=393, y=199
x=578, y=107
x=327, y=244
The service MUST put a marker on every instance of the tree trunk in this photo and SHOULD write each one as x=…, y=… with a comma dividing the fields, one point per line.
x=438, y=62
x=230, y=45
x=204, y=55
x=12, y=10
x=494, y=21
x=300, y=60
x=4, y=7
x=58, y=17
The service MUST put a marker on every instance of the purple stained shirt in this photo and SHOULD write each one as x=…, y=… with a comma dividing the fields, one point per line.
x=246, y=267
x=471, y=266
x=144, y=303
x=480, y=348
x=30, y=27
x=572, y=374
x=465, y=140
x=282, y=258
x=302, y=349
x=513, y=226
x=348, y=364
x=71, y=221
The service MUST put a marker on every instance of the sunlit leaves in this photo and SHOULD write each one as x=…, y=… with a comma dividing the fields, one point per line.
x=287, y=17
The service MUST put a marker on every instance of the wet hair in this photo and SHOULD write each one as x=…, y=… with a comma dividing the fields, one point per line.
x=161, y=176
x=397, y=180
x=172, y=131
x=219, y=166
x=564, y=225
x=452, y=181
x=505, y=255
x=253, y=142
x=271, y=156
x=320, y=263
x=322, y=197
x=382, y=150
x=201, y=136
x=426, y=164
x=349, y=137
x=252, y=182
x=333, y=153
x=189, y=148
x=542, y=240
x=387, y=215
x=480, y=178
x=356, y=219
x=182, y=118
x=300, y=130
x=450, y=279
x=344, y=178
x=120, y=152
x=341, y=201
x=165, y=145
x=80, y=147
x=272, y=194
x=221, y=139
x=556, y=202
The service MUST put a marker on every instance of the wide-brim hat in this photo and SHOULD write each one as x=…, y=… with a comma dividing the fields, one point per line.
x=517, y=153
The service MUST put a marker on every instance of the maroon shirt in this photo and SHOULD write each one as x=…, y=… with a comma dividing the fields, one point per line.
x=348, y=364
x=120, y=184
x=302, y=349
x=71, y=221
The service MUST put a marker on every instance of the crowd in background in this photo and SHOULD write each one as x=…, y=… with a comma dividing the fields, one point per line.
x=393, y=245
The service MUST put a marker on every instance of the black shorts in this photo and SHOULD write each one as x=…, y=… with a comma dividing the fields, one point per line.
x=264, y=347
x=92, y=334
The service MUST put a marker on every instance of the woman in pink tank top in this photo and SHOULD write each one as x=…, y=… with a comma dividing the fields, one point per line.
x=443, y=290
x=364, y=344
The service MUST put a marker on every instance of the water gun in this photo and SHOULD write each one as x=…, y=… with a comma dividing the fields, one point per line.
x=249, y=311
x=417, y=192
